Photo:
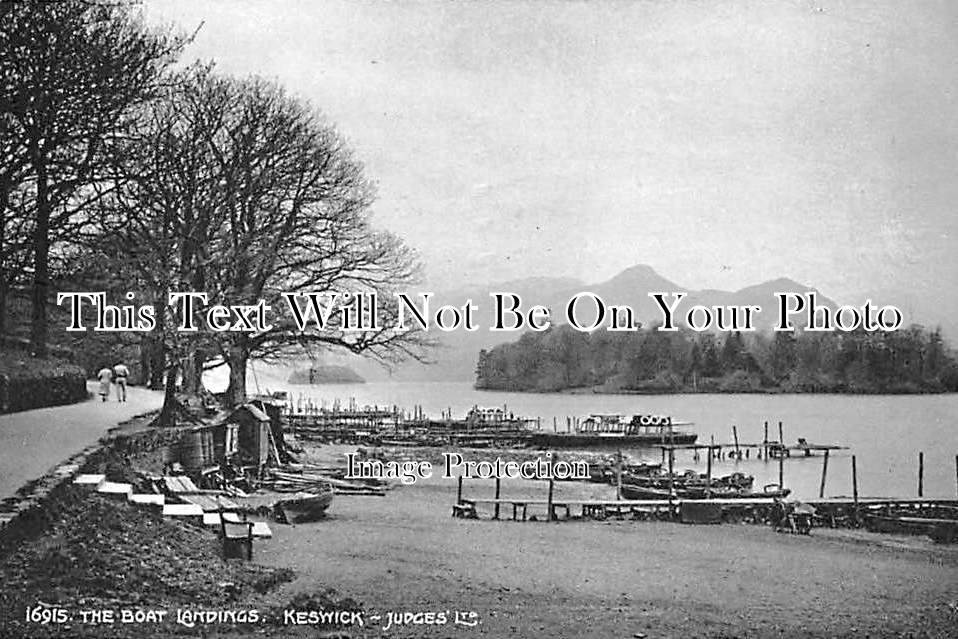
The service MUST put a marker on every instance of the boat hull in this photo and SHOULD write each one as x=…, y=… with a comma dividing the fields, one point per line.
x=633, y=491
x=303, y=509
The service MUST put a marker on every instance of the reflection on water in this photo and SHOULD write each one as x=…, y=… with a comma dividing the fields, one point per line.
x=884, y=432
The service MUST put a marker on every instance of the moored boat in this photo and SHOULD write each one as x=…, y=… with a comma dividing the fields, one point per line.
x=940, y=530
x=613, y=430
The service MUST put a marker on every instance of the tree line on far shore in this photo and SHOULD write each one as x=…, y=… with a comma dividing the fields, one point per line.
x=124, y=170
x=912, y=360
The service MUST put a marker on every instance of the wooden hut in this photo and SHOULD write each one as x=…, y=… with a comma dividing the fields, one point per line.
x=274, y=410
x=254, y=434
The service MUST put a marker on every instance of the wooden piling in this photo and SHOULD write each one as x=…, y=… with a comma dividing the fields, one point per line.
x=855, y=483
x=738, y=452
x=781, y=470
x=498, y=481
x=459, y=491
x=765, y=442
x=551, y=514
x=671, y=472
x=618, y=476
x=921, y=473
x=708, y=476
x=821, y=489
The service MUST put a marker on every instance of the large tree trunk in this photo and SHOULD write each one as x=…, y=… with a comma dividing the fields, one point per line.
x=193, y=372
x=168, y=412
x=238, y=359
x=157, y=350
x=4, y=290
x=41, y=264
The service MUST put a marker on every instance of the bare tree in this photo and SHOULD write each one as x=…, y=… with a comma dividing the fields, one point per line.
x=70, y=74
x=237, y=190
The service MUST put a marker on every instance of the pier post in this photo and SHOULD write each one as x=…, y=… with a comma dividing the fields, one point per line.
x=498, y=480
x=855, y=484
x=821, y=489
x=708, y=476
x=550, y=513
x=738, y=452
x=781, y=438
x=921, y=473
x=765, y=442
x=459, y=491
x=618, y=475
x=781, y=470
x=555, y=425
x=671, y=472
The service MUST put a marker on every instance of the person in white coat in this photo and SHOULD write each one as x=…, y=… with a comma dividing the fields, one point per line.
x=105, y=377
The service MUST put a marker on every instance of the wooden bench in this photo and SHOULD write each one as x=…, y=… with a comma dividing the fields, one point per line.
x=237, y=537
x=465, y=511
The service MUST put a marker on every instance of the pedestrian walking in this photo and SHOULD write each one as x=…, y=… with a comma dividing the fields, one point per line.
x=120, y=373
x=106, y=377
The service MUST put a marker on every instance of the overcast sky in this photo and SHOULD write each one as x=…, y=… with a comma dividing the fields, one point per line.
x=722, y=143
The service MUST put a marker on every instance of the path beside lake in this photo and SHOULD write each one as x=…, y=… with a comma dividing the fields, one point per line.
x=32, y=442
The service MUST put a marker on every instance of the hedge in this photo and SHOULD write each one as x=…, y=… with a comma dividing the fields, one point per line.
x=37, y=383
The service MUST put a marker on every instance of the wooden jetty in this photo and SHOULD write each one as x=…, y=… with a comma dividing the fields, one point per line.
x=832, y=512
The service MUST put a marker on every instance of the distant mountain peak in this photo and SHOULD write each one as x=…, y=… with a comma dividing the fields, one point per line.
x=645, y=275
x=783, y=284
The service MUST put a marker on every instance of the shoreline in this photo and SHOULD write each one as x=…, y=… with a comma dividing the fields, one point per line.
x=404, y=553
x=616, y=578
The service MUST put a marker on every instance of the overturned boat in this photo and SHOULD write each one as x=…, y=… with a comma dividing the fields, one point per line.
x=304, y=507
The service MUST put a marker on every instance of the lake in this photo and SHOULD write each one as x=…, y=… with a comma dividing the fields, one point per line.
x=884, y=432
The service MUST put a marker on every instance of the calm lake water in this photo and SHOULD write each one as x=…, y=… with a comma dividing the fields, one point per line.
x=885, y=433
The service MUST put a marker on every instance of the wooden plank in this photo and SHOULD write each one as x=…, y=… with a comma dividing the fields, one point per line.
x=182, y=510
x=115, y=488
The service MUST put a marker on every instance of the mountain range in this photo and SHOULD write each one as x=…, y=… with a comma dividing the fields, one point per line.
x=457, y=353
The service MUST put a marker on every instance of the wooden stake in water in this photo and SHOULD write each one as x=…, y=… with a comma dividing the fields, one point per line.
x=781, y=470
x=765, y=442
x=550, y=514
x=821, y=489
x=498, y=480
x=618, y=476
x=921, y=473
x=671, y=472
x=708, y=476
x=738, y=453
x=459, y=492
x=855, y=483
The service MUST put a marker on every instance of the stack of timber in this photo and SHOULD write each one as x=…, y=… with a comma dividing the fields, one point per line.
x=297, y=479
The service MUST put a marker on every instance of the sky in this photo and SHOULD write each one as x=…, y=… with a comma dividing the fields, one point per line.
x=721, y=143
